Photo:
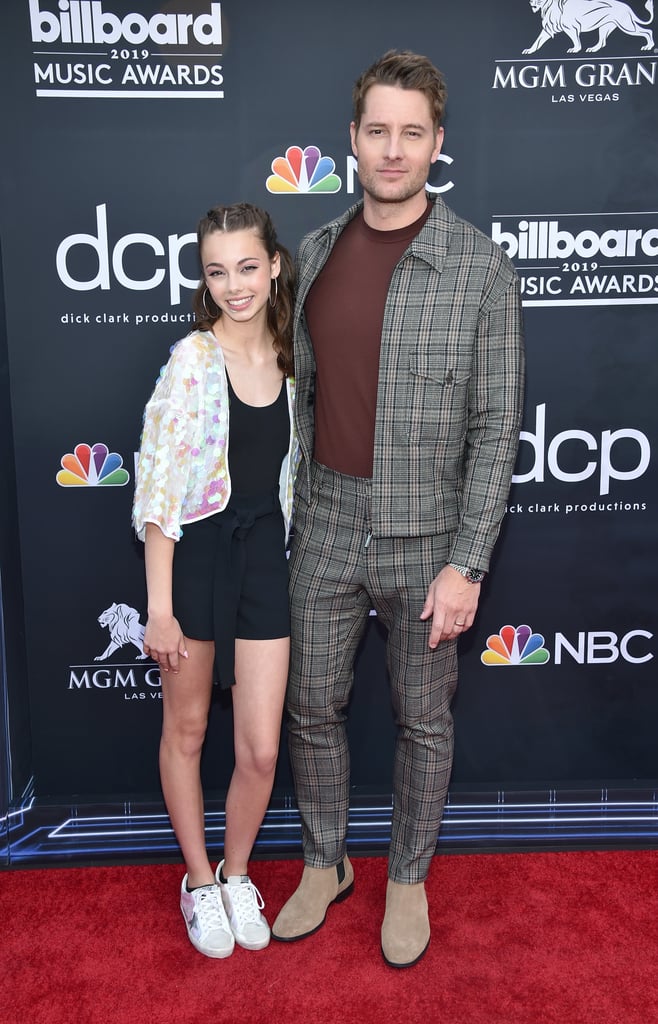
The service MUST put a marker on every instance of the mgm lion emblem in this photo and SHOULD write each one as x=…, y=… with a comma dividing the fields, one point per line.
x=602, y=16
x=125, y=628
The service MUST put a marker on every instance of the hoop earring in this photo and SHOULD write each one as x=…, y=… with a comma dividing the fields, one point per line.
x=203, y=303
x=276, y=292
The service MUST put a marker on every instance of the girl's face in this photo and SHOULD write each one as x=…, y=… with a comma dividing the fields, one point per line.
x=238, y=273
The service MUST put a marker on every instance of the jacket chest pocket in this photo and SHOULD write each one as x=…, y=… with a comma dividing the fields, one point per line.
x=437, y=398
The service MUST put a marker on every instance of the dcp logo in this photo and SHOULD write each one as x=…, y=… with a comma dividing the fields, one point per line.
x=158, y=252
x=549, y=456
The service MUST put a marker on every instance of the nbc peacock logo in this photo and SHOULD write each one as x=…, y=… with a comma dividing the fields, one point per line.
x=92, y=466
x=515, y=645
x=303, y=172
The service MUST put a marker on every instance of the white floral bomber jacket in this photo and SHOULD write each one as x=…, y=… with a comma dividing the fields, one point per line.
x=182, y=469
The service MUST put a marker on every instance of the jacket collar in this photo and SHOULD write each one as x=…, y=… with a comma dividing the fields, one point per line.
x=430, y=244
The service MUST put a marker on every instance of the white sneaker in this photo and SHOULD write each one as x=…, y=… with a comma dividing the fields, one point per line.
x=205, y=917
x=243, y=904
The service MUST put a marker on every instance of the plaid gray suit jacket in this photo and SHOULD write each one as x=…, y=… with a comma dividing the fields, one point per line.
x=450, y=391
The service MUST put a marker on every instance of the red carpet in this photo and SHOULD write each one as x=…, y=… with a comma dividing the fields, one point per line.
x=516, y=939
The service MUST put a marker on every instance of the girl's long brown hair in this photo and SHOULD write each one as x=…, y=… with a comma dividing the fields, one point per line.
x=240, y=217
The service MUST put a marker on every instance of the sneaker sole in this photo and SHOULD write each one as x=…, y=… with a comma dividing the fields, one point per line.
x=217, y=954
x=252, y=945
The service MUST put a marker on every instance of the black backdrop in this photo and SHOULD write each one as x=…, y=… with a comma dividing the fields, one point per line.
x=122, y=123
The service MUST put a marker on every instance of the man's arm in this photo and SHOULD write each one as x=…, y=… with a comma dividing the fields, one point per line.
x=495, y=410
x=494, y=420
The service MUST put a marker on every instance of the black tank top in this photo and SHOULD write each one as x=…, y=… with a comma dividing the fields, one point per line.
x=259, y=437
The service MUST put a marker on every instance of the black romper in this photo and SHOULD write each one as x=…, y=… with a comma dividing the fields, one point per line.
x=230, y=570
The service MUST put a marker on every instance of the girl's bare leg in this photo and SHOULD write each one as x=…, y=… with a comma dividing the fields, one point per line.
x=261, y=673
x=186, y=703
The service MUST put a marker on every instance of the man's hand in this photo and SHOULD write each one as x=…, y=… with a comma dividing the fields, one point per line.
x=451, y=603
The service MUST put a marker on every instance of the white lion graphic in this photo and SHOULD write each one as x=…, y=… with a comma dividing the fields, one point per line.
x=602, y=16
x=125, y=628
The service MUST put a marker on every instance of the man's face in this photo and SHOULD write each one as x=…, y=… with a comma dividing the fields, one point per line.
x=395, y=143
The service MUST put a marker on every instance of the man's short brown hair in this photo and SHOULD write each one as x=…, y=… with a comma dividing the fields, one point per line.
x=407, y=70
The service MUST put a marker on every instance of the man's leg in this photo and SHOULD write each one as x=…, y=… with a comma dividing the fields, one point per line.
x=423, y=683
x=329, y=611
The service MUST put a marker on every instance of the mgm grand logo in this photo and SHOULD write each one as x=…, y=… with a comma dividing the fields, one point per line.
x=587, y=25
x=136, y=679
x=574, y=17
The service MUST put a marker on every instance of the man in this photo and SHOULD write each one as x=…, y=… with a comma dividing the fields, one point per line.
x=409, y=367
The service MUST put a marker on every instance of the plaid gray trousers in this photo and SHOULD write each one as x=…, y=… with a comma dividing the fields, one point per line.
x=337, y=574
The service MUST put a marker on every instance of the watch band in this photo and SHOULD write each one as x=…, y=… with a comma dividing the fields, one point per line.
x=470, y=575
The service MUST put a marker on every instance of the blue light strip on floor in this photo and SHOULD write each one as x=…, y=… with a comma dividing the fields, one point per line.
x=50, y=833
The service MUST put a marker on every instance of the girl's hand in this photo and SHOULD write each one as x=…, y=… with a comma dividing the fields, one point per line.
x=164, y=642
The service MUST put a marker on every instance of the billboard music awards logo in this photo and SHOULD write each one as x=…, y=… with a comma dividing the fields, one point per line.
x=83, y=49
x=520, y=646
x=584, y=27
x=582, y=259
x=138, y=679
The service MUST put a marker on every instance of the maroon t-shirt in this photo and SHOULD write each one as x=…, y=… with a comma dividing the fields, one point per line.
x=345, y=313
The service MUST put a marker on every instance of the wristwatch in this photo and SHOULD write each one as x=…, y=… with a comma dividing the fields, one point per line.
x=470, y=575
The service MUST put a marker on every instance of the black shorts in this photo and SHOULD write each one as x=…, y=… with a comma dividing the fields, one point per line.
x=230, y=575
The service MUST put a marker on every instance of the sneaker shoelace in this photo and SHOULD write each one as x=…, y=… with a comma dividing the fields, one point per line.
x=246, y=901
x=209, y=909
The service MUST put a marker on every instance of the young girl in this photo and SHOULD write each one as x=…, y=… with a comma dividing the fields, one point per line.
x=212, y=503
